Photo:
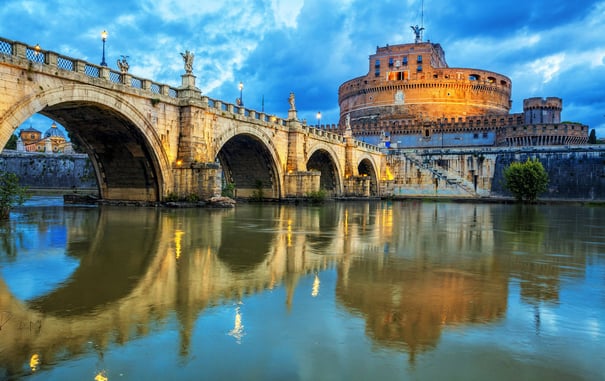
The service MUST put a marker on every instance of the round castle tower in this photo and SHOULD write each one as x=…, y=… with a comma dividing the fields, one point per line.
x=410, y=97
x=413, y=82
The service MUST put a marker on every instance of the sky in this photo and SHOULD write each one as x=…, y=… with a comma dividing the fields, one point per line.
x=310, y=47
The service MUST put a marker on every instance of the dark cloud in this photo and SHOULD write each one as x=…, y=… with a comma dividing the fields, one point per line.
x=547, y=48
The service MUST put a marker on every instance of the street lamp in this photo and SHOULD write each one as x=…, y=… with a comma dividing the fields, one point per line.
x=103, y=37
x=241, y=99
x=318, y=118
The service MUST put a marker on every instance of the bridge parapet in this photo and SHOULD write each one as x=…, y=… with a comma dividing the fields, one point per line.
x=37, y=55
x=176, y=135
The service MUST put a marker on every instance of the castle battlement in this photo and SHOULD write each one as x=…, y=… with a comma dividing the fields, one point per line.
x=410, y=91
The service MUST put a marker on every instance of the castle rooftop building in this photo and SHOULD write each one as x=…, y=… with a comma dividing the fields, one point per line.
x=410, y=97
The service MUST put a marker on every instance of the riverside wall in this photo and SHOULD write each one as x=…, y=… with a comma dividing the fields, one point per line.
x=575, y=172
x=50, y=170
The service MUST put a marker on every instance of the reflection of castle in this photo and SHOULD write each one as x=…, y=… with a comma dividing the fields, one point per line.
x=53, y=141
x=412, y=98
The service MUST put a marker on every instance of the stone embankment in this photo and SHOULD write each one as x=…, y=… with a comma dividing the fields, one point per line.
x=575, y=173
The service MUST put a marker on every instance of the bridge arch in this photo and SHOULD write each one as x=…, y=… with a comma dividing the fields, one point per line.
x=249, y=161
x=123, y=146
x=367, y=167
x=322, y=159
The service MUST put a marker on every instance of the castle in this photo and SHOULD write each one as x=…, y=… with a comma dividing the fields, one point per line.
x=410, y=97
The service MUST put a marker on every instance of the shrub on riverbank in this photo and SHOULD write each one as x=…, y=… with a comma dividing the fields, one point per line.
x=526, y=180
x=11, y=193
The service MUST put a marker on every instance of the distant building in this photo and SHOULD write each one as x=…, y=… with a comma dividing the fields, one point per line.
x=410, y=97
x=53, y=141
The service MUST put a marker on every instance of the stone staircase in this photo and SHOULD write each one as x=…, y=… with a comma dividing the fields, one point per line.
x=466, y=187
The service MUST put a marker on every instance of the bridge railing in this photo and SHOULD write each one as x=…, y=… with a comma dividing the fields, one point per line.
x=45, y=57
x=37, y=55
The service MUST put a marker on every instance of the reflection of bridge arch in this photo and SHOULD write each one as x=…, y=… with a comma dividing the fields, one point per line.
x=134, y=169
x=322, y=159
x=176, y=274
x=249, y=158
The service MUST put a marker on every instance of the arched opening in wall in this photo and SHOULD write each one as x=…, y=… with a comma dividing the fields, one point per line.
x=248, y=168
x=322, y=161
x=365, y=168
x=125, y=166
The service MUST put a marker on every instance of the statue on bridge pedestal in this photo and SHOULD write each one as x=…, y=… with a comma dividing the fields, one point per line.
x=291, y=101
x=188, y=58
x=123, y=64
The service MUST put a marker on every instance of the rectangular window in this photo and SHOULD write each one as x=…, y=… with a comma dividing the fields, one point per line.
x=419, y=58
x=419, y=68
x=405, y=60
x=377, y=63
x=390, y=61
x=377, y=73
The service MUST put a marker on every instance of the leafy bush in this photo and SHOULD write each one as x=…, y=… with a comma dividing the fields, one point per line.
x=317, y=197
x=228, y=190
x=526, y=180
x=11, y=193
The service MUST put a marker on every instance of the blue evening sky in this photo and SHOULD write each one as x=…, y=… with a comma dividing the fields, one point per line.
x=310, y=47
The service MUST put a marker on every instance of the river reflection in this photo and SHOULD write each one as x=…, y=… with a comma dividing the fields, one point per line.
x=351, y=291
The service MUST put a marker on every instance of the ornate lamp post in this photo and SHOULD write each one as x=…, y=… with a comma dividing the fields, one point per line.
x=241, y=99
x=103, y=37
x=318, y=118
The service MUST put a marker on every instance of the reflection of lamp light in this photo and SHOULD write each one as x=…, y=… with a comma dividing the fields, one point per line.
x=315, y=289
x=318, y=118
x=101, y=376
x=178, y=234
x=34, y=362
x=238, y=327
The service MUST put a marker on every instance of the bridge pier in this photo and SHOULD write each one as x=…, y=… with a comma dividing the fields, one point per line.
x=302, y=183
x=200, y=179
x=358, y=186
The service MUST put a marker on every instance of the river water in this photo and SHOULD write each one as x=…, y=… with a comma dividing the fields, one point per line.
x=342, y=291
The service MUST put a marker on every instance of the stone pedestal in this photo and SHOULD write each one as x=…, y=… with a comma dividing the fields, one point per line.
x=188, y=89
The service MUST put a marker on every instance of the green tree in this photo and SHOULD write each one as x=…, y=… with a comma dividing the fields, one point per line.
x=12, y=142
x=526, y=180
x=592, y=138
x=11, y=193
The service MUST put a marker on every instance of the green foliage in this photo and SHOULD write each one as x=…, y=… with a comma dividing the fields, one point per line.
x=258, y=194
x=192, y=198
x=526, y=180
x=11, y=193
x=172, y=197
x=317, y=197
x=592, y=139
x=228, y=190
x=12, y=142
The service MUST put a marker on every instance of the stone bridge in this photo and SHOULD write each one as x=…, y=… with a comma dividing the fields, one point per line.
x=150, y=141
